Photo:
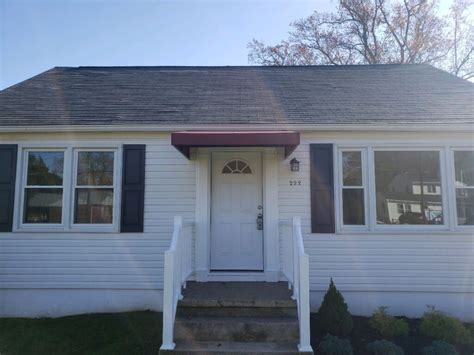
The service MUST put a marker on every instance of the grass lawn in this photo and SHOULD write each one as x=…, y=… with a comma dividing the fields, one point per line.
x=116, y=333
x=140, y=333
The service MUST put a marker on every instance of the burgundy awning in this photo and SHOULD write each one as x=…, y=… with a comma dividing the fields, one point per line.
x=183, y=141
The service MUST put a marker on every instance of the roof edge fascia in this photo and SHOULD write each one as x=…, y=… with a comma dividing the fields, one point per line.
x=253, y=127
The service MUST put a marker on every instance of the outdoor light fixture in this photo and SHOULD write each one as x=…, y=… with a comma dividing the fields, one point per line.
x=295, y=165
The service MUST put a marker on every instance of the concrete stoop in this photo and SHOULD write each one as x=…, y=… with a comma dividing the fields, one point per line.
x=236, y=318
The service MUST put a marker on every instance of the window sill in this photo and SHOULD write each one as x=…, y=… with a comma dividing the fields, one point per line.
x=93, y=229
x=62, y=229
x=406, y=231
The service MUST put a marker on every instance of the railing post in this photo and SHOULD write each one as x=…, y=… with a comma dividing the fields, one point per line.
x=168, y=300
x=296, y=223
x=172, y=262
x=305, y=331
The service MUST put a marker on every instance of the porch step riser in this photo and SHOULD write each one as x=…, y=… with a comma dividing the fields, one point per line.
x=237, y=330
x=237, y=312
x=248, y=348
x=233, y=352
x=206, y=303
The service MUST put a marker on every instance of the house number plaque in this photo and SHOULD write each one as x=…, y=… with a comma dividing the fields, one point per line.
x=295, y=182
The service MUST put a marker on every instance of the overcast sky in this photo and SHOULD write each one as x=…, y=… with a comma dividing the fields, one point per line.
x=36, y=35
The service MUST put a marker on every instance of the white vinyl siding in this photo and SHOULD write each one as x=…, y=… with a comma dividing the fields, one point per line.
x=108, y=260
x=403, y=261
x=375, y=260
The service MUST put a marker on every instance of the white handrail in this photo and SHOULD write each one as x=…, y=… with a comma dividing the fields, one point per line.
x=178, y=268
x=295, y=267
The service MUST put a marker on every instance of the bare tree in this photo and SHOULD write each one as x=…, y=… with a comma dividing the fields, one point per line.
x=461, y=57
x=377, y=31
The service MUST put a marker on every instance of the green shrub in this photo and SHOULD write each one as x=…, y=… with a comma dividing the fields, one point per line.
x=332, y=345
x=439, y=347
x=470, y=327
x=384, y=347
x=387, y=325
x=440, y=326
x=334, y=318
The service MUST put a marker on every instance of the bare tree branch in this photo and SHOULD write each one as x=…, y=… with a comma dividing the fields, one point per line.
x=378, y=31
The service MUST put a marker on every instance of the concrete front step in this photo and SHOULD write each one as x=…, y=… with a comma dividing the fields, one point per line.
x=237, y=294
x=187, y=302
x=237, y=348
x=219, y=310
x=237, y=329
x=236, y=318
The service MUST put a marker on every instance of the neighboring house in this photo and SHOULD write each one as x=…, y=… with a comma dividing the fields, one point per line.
x=406, y=197
x=97, y=161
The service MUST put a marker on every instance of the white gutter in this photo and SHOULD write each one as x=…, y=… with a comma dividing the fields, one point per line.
x=237, y=127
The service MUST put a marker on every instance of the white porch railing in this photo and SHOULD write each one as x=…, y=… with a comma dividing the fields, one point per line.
x=295, y=267
x=178, y=268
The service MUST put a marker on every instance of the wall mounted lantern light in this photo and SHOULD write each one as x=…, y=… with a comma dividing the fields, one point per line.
x=295, y=165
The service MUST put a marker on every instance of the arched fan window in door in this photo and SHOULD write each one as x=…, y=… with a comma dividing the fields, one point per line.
x=236, y=166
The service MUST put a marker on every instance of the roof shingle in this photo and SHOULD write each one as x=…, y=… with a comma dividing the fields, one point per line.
x=319, y=95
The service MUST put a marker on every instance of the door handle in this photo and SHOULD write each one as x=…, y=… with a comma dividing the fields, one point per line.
x=260, y=221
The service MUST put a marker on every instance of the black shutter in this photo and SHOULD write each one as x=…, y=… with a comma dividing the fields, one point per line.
x=133, y=188
x=8, y=154
x=322, y=188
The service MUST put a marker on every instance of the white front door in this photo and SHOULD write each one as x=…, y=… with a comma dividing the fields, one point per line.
x=236, y=237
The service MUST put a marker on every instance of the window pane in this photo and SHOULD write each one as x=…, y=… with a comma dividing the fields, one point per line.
x=352, y=168
x=465, y=206
x=45, y=168
x=353, y=206
x=95, y=168
x=94, y=206
x=403, y=178
x=464, y=167
x=43, y=205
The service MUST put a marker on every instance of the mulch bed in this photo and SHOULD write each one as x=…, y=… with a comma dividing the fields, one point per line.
x=362, y=334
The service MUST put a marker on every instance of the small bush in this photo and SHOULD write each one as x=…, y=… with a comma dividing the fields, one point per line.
x=439, y=347
x=332, y=345
x=387, y=325
x=384, y=347
x=470, y=327
x=440, y=326
x=334, y=318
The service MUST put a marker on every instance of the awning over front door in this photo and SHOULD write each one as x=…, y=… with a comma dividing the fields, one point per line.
x=185, y=140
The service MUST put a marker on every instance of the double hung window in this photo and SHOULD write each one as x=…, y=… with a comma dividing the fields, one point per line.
x=51, y=196
x=464, y=186
x=44, y=187
x=353, y=190
x=94, y=188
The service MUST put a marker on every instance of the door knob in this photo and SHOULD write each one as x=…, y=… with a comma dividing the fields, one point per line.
x=260, y=221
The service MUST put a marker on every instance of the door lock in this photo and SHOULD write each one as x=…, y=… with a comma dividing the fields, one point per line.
x=260, y=221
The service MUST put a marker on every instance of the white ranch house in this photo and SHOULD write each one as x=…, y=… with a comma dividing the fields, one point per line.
x=121, y=185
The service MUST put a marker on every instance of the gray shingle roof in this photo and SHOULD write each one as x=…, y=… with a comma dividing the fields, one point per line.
x=375, y=94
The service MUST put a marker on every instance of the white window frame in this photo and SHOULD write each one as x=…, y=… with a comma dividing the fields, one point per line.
x=95, y=226
x=443, y=181
x=452, y=175
x=447, y=189
x=23, y=186
x=340, y=177
x=67, y=220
